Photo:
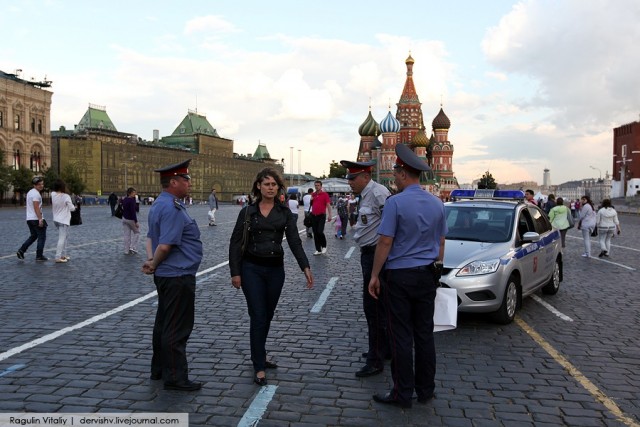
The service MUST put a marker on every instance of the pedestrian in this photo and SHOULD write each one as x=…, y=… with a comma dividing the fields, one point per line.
x=256, y=261
x=578, y=207
x=372, y=199
x=411, y=249
x=607, y=222
x=293, y=206
x=113, y=201
x=306, y=202
x=529, y=197
x=587, y=223
x=320, y=214
x=572, y=205
x=213, y=207
x=559, y=218
x=35, y=221
x=343, y=214
x=174, y=253
x=130, y=224
x=353, y=210
x=62, y=206
x=550, y=204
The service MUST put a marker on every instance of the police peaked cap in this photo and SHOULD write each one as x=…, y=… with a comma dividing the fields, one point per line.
x=356, y=168
x=408, y=159
x=179, y=169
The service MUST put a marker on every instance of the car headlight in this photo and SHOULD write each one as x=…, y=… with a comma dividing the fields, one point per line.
x=479, y=267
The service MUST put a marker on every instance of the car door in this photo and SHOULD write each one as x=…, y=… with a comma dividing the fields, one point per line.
x=527, y=253
x=548, y=241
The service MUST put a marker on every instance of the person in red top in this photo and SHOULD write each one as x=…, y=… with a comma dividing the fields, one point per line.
x=528, y=197
x=320, y=208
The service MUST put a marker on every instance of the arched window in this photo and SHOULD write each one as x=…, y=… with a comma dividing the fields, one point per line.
x=40, y=127
x=1, y=119
x=16, y=159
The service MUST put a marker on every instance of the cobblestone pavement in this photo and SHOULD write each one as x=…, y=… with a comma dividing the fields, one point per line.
x=542, y=370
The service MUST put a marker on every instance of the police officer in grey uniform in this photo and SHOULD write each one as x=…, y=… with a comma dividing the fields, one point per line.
x=372, y=197
x=410, y=248
x=174, y=253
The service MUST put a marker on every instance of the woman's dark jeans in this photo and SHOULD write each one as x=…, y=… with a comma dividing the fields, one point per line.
x=261, y=287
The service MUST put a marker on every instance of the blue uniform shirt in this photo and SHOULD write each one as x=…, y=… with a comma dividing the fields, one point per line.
x=170, y=224
x=416, y=221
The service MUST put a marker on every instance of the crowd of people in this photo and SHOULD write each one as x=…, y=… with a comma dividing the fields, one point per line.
x=401, y=261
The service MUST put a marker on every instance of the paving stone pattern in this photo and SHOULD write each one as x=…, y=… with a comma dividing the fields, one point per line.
x=487, y=374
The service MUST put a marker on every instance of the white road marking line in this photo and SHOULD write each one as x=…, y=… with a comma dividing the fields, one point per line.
x=614, y=263
x=323, y=297
x=349, y=252
x=551, y=308
x=94, y=319
x=258, y=406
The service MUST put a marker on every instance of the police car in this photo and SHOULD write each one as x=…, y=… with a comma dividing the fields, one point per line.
x=498, y=250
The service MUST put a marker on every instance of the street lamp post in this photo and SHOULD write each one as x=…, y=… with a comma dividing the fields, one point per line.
x=599, y=172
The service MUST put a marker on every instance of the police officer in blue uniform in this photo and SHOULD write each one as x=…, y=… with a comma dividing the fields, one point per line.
x=372, y=197
x=174, y=253
x=411, y=249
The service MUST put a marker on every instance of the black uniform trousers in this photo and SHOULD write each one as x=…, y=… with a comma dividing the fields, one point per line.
x=374, y=312
x=173, y=326
x=409, y=298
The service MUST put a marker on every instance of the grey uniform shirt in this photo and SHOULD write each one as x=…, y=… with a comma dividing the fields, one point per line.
x=370, y=207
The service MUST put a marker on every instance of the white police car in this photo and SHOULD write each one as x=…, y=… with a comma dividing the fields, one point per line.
x=498, y=250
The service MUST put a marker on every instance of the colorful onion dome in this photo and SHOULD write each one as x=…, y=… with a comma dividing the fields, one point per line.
x=441, y=121
x=369, y=127
x=389, y=124
x=420, y=139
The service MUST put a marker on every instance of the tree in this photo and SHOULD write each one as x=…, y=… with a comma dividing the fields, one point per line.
x=71, y=176
x=336, y=170
x=50, y=176
x=5, y=175
x=487, y=181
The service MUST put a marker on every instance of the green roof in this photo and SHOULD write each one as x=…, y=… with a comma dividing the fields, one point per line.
x=194, y=124
x=261, y=152
x=96, y=118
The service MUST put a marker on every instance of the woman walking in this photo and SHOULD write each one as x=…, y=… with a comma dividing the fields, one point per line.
x=62, y=206
x=256, y=260
x=130, y=224
x=559, y=217
x=587, y=223
x=607, y=221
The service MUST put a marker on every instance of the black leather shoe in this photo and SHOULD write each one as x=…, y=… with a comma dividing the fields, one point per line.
x=387, y=399
x=368, y=371
x=183, y=386
x=270, y=365
x=155, y=376
x=260, y=381
x=602, y=253
x=425, y=399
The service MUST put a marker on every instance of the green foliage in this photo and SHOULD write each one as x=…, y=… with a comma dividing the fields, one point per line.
x=71, y=176
x=487, y=181
x=50, y=176
x=21, y=179
x=5, y=175
x=336, y=170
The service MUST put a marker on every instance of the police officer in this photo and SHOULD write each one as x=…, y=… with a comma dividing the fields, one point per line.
x=174, y=253
x=411, y=249
x=372, y=197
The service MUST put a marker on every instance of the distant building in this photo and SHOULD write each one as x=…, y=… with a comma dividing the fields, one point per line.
x=407, y=127
x=25, y=112
x=626, y=160
x=111, y=161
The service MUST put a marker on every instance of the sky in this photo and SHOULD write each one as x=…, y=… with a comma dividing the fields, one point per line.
x=527, y=85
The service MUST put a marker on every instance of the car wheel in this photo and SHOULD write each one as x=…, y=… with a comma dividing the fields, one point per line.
x=552, y=287
x=507, y=311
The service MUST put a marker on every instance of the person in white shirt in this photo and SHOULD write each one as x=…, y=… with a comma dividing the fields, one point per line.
x=293, y=206
x=306, y=202
x=35, y=221
x=62, y=207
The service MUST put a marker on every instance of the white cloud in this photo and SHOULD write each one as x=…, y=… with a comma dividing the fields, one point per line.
x=209, y=24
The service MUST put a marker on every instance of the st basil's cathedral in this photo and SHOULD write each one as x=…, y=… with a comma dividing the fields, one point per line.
x=378, y=141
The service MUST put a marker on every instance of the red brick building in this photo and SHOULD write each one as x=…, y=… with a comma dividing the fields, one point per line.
x=626, y=160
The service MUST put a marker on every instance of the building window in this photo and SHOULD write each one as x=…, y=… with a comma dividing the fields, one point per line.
x=16, y=159
x=35, y=162
x=33, y=125
x=16, y=124
x=1, y=119
x=624, y=150
x=40, y=127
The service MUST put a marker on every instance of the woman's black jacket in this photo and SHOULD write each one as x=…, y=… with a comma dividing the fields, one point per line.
x=265, y=237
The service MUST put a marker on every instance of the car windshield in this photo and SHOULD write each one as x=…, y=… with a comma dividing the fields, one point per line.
x=479, y=223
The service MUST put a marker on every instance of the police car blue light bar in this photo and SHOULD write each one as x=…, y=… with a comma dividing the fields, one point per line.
x=488, y=194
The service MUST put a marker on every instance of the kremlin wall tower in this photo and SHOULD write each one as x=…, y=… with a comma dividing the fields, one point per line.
x=378, y=141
